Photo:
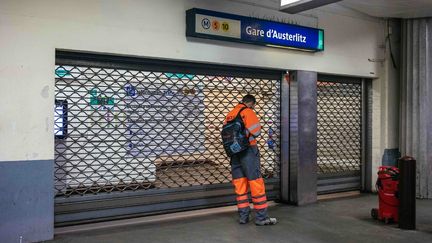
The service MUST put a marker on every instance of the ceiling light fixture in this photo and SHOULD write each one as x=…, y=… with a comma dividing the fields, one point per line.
x=297, y=6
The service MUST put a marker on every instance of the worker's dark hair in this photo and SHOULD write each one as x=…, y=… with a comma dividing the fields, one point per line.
x=249, y=98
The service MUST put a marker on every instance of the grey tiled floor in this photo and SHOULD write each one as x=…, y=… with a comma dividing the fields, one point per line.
x=338, y=220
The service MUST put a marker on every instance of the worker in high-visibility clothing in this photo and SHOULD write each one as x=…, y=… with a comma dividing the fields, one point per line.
x=245, y=167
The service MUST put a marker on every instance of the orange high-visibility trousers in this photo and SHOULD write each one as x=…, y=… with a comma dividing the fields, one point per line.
x=245, y=169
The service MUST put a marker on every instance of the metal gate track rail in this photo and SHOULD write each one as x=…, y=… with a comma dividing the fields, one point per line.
x=73, y=213
x=161, y=65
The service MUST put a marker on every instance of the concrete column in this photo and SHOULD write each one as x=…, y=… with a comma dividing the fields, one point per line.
x=285, y=142
x=303, y=137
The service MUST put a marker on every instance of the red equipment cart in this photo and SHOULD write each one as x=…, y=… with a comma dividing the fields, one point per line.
x=387, y=187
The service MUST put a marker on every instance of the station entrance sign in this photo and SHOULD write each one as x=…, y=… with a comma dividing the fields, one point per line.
x=208, y=24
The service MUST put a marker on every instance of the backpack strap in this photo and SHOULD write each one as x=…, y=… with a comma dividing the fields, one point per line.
x=238, y=114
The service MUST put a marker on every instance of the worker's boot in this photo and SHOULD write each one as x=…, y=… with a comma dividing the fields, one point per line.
x=262, y=218
x=266, y=221
x=244, y=216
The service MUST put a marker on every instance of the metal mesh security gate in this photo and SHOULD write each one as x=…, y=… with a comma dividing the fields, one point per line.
x=132, y=138
x=339, y=135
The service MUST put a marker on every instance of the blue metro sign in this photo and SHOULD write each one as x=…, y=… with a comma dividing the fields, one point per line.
x=208, y=24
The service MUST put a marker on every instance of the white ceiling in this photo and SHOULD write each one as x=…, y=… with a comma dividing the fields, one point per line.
x=391, y=8
x=375, y=8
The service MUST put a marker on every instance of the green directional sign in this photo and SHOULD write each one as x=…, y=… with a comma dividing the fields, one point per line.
x=102, y=100
x=61, y=72
x=98, y=99
x=179, y=75
x=321, y=40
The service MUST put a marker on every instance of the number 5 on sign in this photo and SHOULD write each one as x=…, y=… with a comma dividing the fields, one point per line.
x=225, y=26
x=215, y=25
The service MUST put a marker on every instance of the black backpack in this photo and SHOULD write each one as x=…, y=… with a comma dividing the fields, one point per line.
x=234, y=137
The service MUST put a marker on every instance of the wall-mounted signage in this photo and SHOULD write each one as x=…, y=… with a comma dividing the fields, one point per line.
x=229, y=27
x=157, y=112
x=60, y=119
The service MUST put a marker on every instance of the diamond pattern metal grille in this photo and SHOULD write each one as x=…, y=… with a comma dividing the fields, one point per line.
x=120, y=130
x=339, y=127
